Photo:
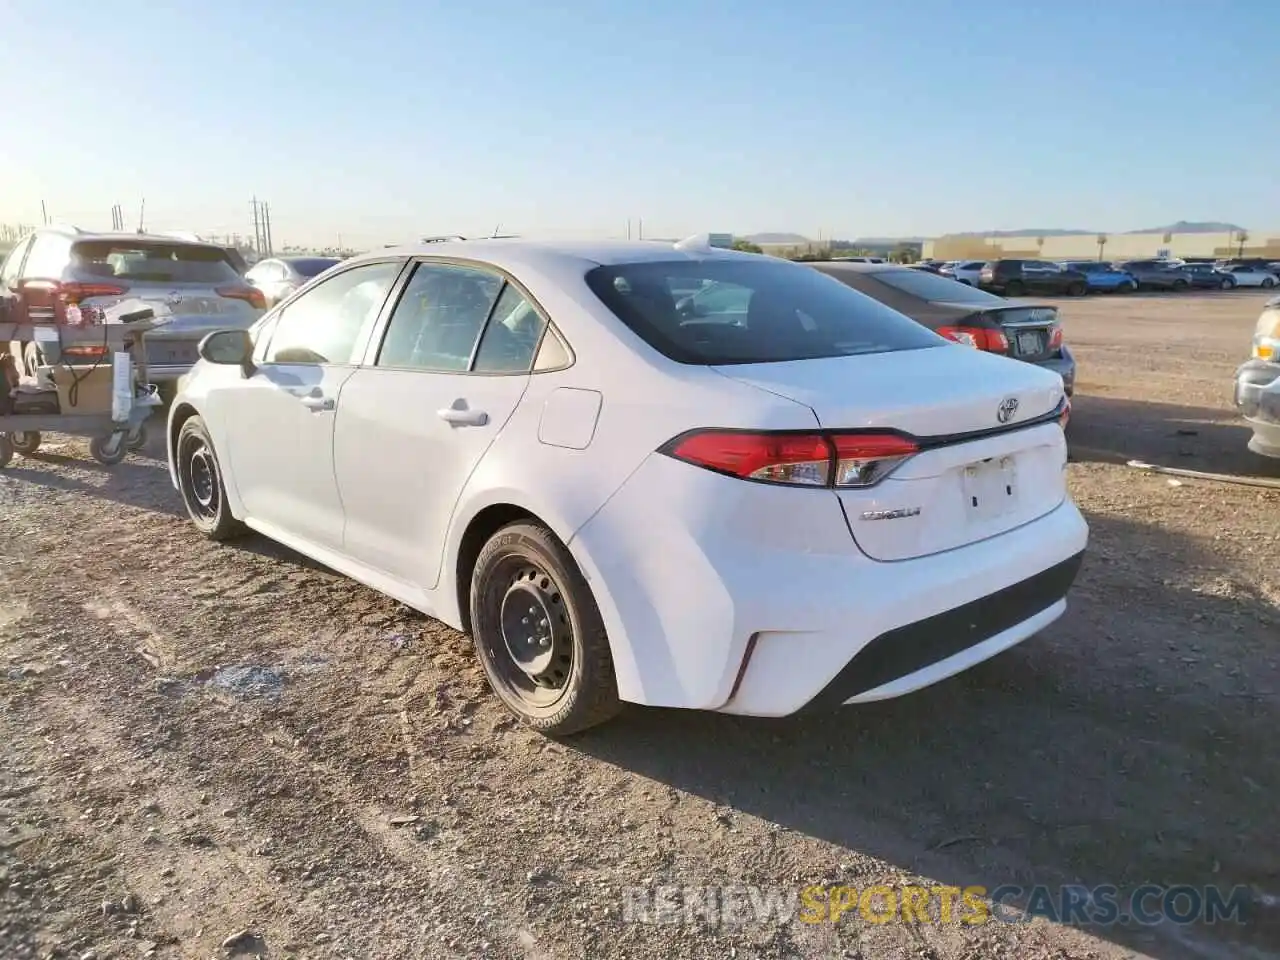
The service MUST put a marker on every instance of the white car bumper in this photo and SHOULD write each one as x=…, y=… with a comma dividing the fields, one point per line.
x=746, y=598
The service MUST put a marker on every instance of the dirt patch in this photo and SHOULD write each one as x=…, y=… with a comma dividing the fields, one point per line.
x=217, y=751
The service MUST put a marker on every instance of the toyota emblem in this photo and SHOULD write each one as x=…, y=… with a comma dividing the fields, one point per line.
x=1008, y=407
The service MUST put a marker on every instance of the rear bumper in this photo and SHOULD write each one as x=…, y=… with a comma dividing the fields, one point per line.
x=750, y=599
x=1064, y=366
x=1257, y=398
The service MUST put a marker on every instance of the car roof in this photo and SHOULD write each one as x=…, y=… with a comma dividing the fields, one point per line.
x=515, y=252
x=108, y=236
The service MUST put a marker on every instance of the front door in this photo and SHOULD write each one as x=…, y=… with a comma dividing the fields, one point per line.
x=279, y=421
x=416, y=420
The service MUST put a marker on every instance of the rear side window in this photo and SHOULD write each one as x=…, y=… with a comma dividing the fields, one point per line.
x=155, y=262
x=750, y=311
x=48, y=259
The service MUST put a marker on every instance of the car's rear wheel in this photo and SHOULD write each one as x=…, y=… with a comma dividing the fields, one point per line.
x=539, y=634
x=1268, y=283
x=1226, y=284
x=1127, y=287
x=1014, y=288
x=1179, y=285
x=1077, y=289
x=200, y=482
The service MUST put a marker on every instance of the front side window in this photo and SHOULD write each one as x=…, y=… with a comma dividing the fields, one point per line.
x=792, y=312
x=324, y=324
x=438, y=320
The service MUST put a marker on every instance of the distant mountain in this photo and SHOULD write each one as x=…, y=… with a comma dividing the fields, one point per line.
x=1189, y=226
x=1030, y=231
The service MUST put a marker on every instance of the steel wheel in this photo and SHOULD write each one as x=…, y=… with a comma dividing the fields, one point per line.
x=538, y=632
x=200, y=482
x=537, y=636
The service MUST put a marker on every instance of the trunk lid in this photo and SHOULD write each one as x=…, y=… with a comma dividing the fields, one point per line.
x=1029, y=330
x=978, y=473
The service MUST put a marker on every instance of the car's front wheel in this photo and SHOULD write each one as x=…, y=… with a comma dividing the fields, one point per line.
x=1077, y=289
x=1014, y=288
x=1179, y=285
x=200, y=482
x=1268, y=283
x=539, y=633
x=1127, y=287
x=1226, y=284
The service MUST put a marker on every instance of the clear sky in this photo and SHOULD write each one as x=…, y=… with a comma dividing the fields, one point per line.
x=384, y=120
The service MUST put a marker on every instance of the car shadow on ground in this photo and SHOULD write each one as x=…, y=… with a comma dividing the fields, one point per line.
x=1131, y=742
x=130, y=483
x=1116, y=430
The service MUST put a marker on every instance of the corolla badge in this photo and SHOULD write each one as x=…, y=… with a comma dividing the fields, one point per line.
x=1007, y=410
x=898, y=514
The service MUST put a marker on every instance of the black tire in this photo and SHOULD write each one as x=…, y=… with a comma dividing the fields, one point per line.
x=138, y=438
x=27, y=442
x=109, y=450
x=1226, y=284
x=6, y=450
x=1077, y=289
x=1014, y=288
x=1127, y=287
x=550, y=665
x=204, y=493
x=1179, y=286
x=1268, y=283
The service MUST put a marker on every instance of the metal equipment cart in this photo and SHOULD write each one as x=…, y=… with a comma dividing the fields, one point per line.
x=113, y=433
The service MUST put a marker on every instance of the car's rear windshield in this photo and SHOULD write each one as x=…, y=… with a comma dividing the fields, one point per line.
x=312, y=267
x=750, y=311
x=154, y=262
x=930, y=286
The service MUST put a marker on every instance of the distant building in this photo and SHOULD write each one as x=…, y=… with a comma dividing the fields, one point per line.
x=1117, y=246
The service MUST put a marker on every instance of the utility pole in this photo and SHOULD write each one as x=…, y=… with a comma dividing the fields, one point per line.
x=266, y=229
x=142, y=214
x=640, y=228
x=628, y=228
x=44, y=214
x=257, y=228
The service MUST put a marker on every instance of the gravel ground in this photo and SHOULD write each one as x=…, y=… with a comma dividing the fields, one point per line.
x=224, y=750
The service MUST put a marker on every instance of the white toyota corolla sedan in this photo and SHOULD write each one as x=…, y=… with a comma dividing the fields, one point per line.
x=776, y=495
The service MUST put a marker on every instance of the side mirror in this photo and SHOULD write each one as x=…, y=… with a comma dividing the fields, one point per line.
x=233, y=348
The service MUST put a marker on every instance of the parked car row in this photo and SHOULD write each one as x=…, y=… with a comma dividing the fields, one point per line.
x=1075, y=278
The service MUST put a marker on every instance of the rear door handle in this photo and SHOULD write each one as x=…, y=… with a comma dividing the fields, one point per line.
x=318, y=404
x=463, y=418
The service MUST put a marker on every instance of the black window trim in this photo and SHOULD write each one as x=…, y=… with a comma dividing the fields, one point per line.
x=379, y=332
x=361, y=346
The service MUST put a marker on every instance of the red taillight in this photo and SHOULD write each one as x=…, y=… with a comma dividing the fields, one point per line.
x=86, y=351
x=802, y=459
x=806, y=460
x=251, y=295
x=74, y=293
x=1055, y=337
x=981, y=338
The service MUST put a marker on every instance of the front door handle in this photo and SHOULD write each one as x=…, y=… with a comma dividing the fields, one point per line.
x=463, y=418
x=319, y=404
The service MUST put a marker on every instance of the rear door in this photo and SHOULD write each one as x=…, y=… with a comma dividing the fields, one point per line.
x=437, y=388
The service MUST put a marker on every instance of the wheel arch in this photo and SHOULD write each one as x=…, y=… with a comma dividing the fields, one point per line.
x=483, y=525
x=180, y=414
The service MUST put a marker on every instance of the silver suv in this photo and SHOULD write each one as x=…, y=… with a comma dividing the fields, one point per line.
x=64, y=275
